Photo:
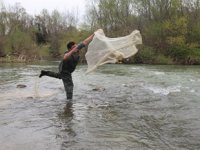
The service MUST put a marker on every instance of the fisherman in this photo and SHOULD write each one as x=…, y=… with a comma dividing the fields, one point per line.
x=68, y=65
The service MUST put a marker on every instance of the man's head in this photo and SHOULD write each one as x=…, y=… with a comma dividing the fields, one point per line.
x=70, y=45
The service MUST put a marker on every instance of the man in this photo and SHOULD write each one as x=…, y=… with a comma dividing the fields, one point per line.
x=68, y=65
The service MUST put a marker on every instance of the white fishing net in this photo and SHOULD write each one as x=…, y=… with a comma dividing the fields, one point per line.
x=104, y=50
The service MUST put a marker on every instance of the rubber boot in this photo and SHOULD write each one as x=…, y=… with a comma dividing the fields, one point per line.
x=43, y=72
x=69, y=96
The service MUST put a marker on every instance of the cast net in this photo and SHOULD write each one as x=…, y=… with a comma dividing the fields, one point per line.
x=103, y=50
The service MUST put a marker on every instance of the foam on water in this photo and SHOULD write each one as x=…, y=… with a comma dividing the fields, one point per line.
x=159, y=73
x=162, y=90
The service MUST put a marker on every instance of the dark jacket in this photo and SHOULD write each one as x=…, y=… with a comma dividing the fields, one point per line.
x=69, y=65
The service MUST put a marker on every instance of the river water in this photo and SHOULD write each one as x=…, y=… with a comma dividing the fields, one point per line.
x=118, y=107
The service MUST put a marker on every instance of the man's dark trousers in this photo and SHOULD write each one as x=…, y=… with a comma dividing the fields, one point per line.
x=67, y=81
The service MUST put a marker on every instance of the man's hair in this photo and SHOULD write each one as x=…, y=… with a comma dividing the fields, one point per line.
x=70, y=44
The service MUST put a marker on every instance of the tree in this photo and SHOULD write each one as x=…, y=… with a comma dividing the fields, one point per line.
x=103, y=14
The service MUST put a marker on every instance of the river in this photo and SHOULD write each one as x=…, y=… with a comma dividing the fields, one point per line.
x=136, y=107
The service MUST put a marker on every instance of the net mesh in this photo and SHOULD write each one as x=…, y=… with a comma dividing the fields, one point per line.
x=104, y=50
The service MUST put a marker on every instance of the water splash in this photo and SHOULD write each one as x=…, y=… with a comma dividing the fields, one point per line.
x=36, y=87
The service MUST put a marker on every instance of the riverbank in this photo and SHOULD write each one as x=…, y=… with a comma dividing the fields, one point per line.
x=19, y=59
x=22, y=59
x=142, y=57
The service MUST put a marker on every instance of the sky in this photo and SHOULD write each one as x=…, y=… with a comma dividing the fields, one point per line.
x=35, y=6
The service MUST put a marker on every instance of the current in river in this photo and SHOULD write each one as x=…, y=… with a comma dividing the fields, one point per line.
x=120, y=107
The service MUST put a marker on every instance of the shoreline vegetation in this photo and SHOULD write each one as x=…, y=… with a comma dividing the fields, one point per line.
x=171, y=34
x=144, y=56
x=19, y=59
x=137, y=59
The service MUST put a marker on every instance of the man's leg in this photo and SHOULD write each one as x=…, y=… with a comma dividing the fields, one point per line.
x=68, y=84
x=50, y=74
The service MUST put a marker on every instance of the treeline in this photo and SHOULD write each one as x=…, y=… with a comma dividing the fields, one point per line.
x=170, y=29
x=25, y=38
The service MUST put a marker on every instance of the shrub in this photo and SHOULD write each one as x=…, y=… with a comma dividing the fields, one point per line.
x=183, y=55
x=146, y=55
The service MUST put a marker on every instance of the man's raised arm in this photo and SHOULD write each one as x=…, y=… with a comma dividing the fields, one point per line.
x=79, y=46
x=88, y=40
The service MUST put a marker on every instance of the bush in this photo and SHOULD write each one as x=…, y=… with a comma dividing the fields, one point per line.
x=163, y=60
x=146, y=55
x=183, y=55
x=194, y=56
x=43, y=52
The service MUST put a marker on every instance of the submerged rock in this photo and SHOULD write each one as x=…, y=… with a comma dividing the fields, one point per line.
x=98, y=89
x=21, y=86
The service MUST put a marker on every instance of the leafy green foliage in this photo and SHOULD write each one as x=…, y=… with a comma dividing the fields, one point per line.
x=176, y=31
x=147, y=55
x=184, y=55
x=152, y=34
x=170, y=29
